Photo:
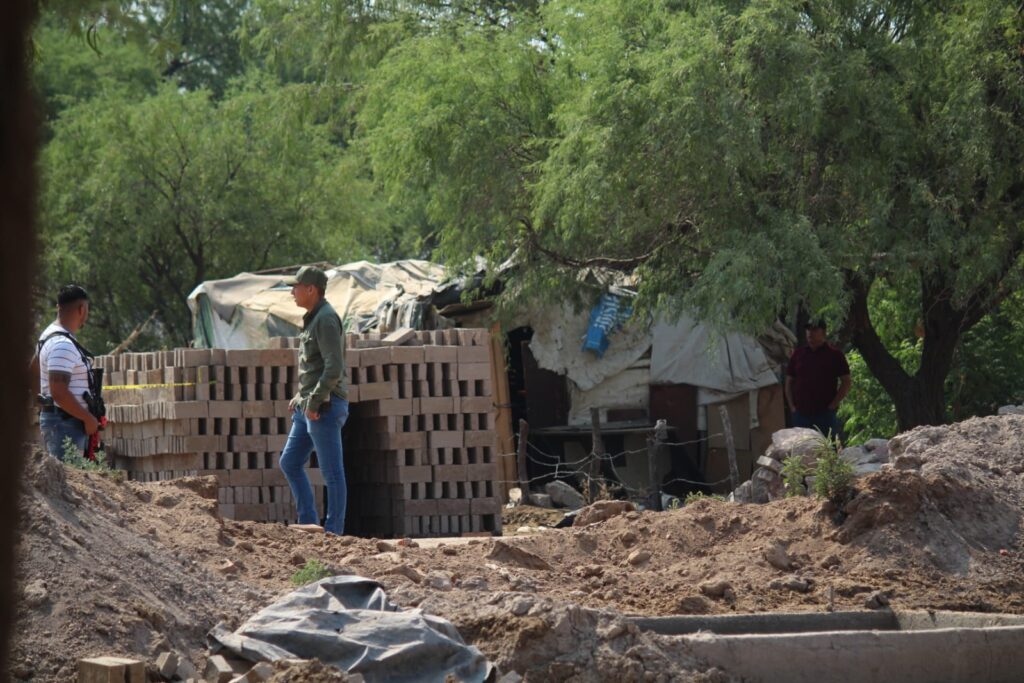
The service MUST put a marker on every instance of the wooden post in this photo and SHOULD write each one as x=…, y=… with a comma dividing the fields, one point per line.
x=503, y=416
x=524, y=478
x=654, y=441
x=596, y=453
x=730, y=447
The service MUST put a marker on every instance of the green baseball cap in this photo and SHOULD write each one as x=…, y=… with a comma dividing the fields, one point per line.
x=308, y=275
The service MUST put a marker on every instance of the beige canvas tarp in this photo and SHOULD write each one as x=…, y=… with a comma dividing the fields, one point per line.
x=245, y=311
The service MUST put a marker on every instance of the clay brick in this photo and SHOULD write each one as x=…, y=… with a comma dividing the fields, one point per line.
x=277, y=357
x=445, y=439
x=473, y=371
x=111, y=670
x=248, y=444
x=475, y=404
x=276, y=442
x=401, y=441
x=474, y=354
x=378, y=391
x=225, y=409
x=407, y=473
x=479, y=439
x=444, y=405
x=395, y=406
x=440, y=354
x=192, y=358
x=400, y=336
x=377, y=356
x=484, y=506
x=406, y=355
x=449, y=473
x=188, y=409
x=456, y=506
x=413, y=507
x=273, y=477
x=209, y=443
x=234, y=358
x=482, y=472
x=245, y=477
x=258, y=408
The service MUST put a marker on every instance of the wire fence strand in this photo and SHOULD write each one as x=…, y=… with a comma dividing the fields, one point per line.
x=559, y=467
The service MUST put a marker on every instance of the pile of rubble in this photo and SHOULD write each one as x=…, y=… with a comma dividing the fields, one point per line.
x=807, y=445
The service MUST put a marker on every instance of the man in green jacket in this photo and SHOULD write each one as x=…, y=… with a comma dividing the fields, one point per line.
x=320, y=408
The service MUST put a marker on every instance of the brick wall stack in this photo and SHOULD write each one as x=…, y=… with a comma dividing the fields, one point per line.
x=420, y=442
x=206, y=412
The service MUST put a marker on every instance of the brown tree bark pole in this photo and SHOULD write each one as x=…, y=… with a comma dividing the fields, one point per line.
x=524, y=477
x=730, y=448
x=18, y=139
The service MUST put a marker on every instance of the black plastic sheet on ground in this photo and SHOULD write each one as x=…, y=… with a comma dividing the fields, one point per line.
x=348, y=622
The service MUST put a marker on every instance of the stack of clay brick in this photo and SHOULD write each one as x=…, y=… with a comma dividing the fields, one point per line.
x=210, y=412
x=420, y=444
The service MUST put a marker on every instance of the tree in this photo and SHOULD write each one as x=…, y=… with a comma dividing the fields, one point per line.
x=744, y=158
x=67, y=72
x=143, y=201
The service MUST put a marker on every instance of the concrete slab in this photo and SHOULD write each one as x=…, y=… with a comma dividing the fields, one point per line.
x=913, y=646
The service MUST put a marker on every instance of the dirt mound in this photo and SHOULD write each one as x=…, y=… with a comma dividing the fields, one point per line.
x=92, y=584
x=952, y=498
x=123, y=568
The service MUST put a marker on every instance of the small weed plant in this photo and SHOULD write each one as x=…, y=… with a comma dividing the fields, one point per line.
x=694, y=496
x=794, y=471
x=74, y=457
x=313, y=570
x=833, y=476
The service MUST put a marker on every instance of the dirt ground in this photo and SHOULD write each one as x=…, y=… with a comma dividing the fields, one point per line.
x=113, y=567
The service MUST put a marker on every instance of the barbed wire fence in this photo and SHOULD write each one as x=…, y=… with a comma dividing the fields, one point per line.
x=586, y=471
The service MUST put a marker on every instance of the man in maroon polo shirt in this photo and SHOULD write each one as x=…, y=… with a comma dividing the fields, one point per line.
x=817, y=381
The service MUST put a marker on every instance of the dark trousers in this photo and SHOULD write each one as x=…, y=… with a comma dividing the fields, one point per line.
x=825, y=422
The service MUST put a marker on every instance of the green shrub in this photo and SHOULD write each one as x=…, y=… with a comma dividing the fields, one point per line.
x=833, y=476
x=793, y=473
x=74, y=457
x=694, y=496
x=314, y=570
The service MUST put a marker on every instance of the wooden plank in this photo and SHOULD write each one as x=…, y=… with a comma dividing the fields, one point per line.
x=507, y=471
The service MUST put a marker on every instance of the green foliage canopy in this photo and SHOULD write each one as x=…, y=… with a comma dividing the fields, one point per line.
x=142, y=201
x=744, y=158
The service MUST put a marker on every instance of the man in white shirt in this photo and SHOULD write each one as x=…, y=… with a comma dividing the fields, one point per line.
x=64, y=370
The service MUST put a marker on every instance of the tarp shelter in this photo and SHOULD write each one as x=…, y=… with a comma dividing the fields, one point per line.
x=644, y=366
x=245, y=311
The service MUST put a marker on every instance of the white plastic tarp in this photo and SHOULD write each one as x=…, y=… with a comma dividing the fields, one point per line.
x=627, y=389
x=557, y=345
x=348, y=622
x=690, y=352
x=246, y=310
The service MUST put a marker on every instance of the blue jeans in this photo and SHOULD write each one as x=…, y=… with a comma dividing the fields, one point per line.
x=825, y=422
x=325, y=436
x=56, y=428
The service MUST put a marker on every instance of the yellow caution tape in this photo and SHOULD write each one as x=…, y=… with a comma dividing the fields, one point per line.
x=152, y=386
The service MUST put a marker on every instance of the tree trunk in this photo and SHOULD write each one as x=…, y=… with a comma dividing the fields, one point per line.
x=18, y=137
x=919, y=398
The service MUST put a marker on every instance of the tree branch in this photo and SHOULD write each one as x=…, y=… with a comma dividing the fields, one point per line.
x=619, y=264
